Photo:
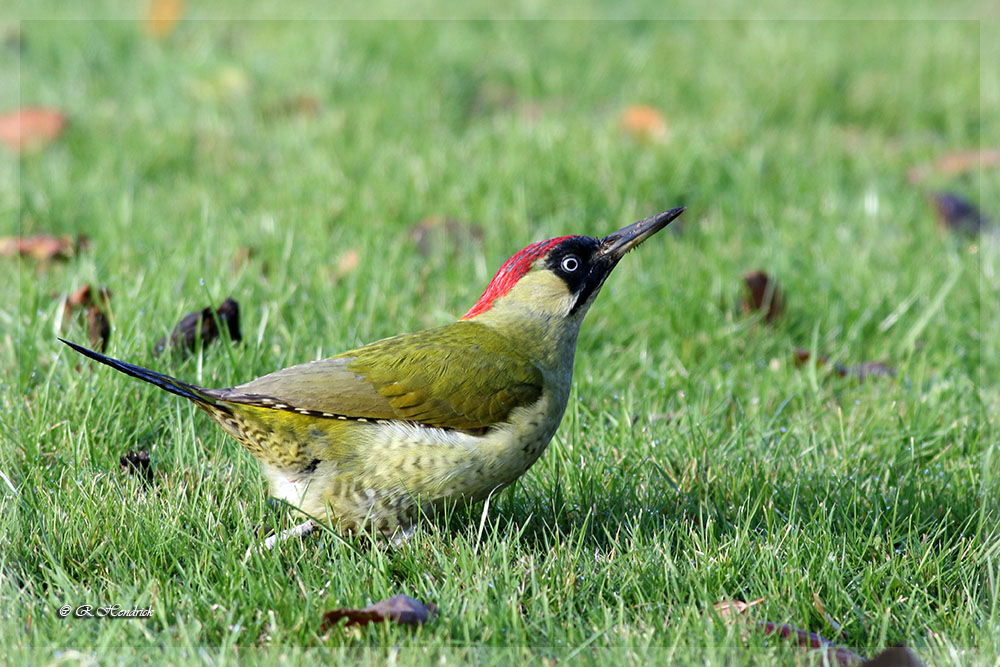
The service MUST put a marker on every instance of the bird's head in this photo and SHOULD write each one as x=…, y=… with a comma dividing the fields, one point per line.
x=559, y=278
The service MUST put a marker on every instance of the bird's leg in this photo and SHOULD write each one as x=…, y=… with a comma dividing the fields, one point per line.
x=301, y=530
x=401, y=537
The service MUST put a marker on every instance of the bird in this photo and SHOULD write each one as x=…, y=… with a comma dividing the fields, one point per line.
x=372, y=438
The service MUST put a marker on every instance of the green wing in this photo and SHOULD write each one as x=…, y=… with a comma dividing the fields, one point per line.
x=463, y=376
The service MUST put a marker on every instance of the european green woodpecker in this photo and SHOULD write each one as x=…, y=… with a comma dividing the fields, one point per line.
x=369, y=437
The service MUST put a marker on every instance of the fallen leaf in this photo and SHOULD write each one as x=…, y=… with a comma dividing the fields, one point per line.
x=202, y=326
x=644, y=122
x=733, y=611
x=434, y=233
x=806, y=639
x=31, y=127
x=818, y=603
x=803, y=355
x=957, y=163
x=961, y=162
x=399, y=609
x=728, y=609
x=865, y=371
x=304, y=104
x=162, y=17
x=492, y=96
x=861, y=372
x=42, y=247
x=957, y=214
x=137, y=464
x=895, y=656
x=87, y=296
x=94, y=302
x=345, y=263
x=98, y=328
x=241, y=256
x=762, y=294
x=665, y=417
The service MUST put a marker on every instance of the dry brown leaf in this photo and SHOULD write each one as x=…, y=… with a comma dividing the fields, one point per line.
x=202, y=326
x=304, y=104
x=87, y=296
x=821, y=608
x=492, y=96
x=137, y=464
x=31, y=127
x=762, y=293
x=863, y=371
x=241, y=256
x=345, y=263
x=729, y=609
x=961, y=162
x=94, y=302
x=98, y=329
x=957, y=214
x=806, y=639
x=399, y=609
x=802, y=356
x=42, y=247
x=732, y=611
x=957, y=163
x=644, y=122
x=896, y=656
x=162, y=17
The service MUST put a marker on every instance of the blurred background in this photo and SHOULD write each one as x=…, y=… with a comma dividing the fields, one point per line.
x=310, y=164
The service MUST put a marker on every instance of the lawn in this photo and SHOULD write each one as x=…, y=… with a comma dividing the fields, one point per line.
x=347, y=181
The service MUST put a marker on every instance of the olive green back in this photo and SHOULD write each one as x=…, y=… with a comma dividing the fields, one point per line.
x=464, y=376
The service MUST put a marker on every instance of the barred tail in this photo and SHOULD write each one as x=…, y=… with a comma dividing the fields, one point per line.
x=165, y=382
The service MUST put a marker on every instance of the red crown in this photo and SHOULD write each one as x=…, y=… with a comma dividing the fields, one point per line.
x=511, y=271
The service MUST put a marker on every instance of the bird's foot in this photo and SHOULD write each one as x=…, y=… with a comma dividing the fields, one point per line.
x=305, y=528
x=401, y=537
x=301, y=530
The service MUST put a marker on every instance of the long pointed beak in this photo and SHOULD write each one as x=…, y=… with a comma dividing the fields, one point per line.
x=614, y=246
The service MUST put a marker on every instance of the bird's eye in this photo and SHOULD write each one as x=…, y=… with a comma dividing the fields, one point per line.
x=570, y=264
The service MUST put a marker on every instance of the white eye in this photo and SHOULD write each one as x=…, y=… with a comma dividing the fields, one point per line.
x=570, y=264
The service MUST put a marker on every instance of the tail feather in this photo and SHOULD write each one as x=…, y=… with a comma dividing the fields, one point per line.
x=165, y=382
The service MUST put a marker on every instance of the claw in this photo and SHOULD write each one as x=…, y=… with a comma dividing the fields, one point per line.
x=301, y=530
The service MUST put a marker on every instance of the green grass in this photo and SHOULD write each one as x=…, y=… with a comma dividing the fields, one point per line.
x=695, y=463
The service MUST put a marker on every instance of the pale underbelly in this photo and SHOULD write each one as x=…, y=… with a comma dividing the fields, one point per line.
x=400, y=469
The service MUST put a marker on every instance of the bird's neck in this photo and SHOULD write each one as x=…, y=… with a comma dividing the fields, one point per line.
x=548, y=339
